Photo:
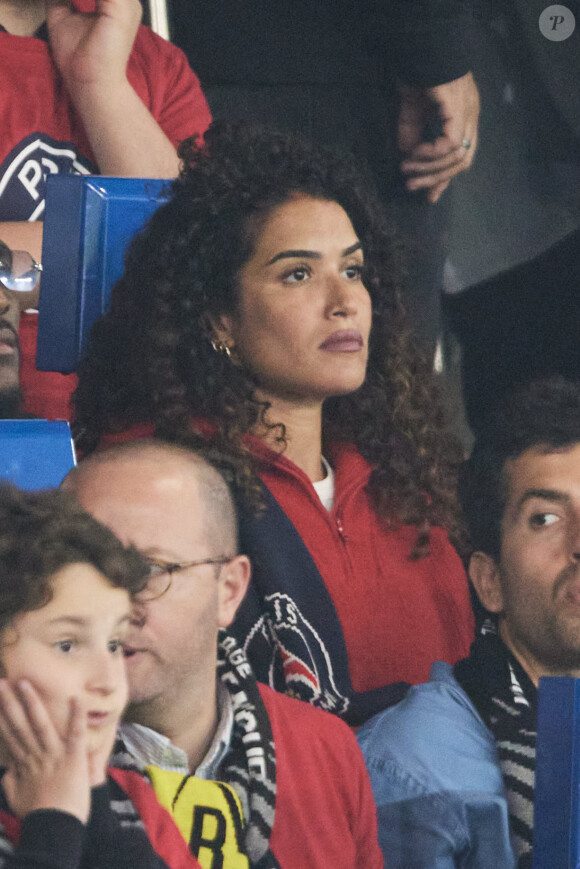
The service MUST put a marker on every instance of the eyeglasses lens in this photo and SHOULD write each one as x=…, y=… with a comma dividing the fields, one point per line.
x=157, y=584
x=22, y=274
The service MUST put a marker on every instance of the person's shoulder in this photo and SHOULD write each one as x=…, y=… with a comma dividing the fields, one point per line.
x=312, y=744
x=429, y=736
x=148, y=46
x=441, y=699
x=284, y=705
x=156, y=61
x=306, y=721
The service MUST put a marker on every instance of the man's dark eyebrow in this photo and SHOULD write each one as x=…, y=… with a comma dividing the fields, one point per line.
x=310, y=254
x=545, y=495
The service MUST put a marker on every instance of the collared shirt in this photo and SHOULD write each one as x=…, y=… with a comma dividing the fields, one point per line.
x=149, y=748
x=437, y=782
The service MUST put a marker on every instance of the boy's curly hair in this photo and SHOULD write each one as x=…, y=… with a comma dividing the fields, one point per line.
x=42, y=532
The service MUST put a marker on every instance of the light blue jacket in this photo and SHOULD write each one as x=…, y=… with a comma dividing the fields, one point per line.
x=436, y=780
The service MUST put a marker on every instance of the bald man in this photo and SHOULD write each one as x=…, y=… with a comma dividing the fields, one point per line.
x=295, y=792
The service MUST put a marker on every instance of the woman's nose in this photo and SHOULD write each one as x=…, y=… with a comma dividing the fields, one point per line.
x=341, y=297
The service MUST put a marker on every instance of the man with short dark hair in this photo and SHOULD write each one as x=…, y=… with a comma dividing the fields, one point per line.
x=452, y=766
x=293, y=790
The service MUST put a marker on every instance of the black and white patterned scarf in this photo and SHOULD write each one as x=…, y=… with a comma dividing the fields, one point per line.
x=506, y=699
x=250, y=764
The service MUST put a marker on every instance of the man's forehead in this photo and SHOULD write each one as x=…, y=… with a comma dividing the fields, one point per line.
x=144, y=481
x=543, y=467
x=158, y=511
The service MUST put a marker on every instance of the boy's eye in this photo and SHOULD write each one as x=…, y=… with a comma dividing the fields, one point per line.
x=116, y=646
x=65, y=645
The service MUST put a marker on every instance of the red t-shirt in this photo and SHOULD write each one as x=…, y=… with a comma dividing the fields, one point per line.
x=41, y=133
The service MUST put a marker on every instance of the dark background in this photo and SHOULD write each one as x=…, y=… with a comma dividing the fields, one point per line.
x=322, y=67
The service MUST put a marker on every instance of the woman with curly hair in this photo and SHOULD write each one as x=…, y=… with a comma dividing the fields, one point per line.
x=259, y=313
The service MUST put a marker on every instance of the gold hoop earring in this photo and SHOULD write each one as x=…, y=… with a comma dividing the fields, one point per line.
x=221, y=347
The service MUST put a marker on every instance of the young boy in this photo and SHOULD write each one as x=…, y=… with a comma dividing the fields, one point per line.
x=65, y=596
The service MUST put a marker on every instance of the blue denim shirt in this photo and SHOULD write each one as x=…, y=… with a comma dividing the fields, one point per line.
x=436, y=780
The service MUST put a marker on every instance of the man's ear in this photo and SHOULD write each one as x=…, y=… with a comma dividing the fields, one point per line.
x=233, y=583
x=484, y=574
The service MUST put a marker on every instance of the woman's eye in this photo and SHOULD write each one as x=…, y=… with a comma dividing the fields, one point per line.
x=541, y=520
x=296, y=276
x=353, y=272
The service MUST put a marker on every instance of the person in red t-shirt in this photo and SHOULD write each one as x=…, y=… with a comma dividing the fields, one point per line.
x=85, y=89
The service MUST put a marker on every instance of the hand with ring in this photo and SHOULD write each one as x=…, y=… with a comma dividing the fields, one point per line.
x=454, y=107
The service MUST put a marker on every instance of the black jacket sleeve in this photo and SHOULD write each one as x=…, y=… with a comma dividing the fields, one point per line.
x=49, y=839
x=428, y=39
x=114, y=837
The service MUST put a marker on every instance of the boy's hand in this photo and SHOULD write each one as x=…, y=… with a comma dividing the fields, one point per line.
x=92, y=49
x=45, y=770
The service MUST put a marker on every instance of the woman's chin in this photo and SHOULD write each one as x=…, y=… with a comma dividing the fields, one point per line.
x=345, y=387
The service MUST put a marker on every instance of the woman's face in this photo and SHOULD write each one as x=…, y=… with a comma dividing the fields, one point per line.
x=303, y=316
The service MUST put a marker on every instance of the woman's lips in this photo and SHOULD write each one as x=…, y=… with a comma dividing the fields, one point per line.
x=343, y=341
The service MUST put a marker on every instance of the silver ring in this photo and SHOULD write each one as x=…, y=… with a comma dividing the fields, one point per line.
x=466, y=144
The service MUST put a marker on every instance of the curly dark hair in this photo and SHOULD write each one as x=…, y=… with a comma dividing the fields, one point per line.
x=42, y=532
x=543, y=413
x=150, y=358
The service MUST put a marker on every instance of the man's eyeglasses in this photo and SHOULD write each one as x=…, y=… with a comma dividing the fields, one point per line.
x=19, y=271
x=161, y=574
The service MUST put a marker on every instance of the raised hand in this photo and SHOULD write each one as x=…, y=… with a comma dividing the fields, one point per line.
x=45, y=770
x=92, y=49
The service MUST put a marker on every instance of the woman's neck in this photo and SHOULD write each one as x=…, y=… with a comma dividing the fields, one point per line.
x=303, y=424
x=22, y=17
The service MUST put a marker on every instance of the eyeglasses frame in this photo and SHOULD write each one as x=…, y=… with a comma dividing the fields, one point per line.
x=177, y=567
